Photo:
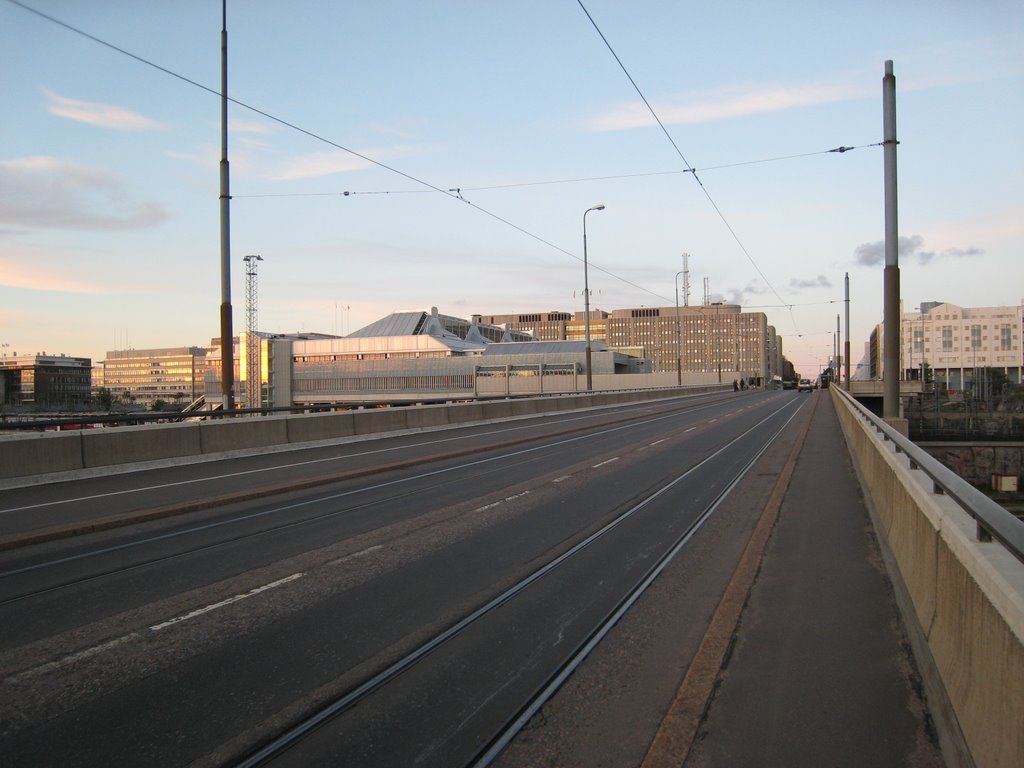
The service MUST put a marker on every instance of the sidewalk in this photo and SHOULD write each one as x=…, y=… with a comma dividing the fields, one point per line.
x=820, y=672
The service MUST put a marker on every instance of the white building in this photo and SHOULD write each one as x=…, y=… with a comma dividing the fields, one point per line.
x=952, y=342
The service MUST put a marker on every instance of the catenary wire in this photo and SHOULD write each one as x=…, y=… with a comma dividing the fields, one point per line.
x=689, y=167
x=579, y=180
x=453, y=194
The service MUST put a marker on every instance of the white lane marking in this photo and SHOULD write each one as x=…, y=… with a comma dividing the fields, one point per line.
x=561, y=479
x=332, y=497
x=712, y=421
x=74, y=657
x=657, y=441
x=355, y=555
x=214, y=606
x=691, y=429
x=605, y=462
x=493, y=504
x=275, y=467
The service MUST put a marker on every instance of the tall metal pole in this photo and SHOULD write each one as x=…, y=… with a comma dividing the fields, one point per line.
x=846, y=345
x=891, y=300
x=227, y=352
x=839, y=359
x=679, y=333
x=586, y=293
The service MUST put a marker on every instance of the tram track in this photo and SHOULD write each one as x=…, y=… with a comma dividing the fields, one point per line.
x=268, y=753
x=278, y=586
x=482, y=465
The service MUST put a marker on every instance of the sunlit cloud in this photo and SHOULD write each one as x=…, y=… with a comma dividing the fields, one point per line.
x=726, y=103
x=248, y=126
x=33, y=270
x=328, y=163
x=47, y=192
x=101, y=115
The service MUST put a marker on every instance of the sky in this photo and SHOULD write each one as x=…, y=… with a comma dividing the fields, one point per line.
x=403, y=155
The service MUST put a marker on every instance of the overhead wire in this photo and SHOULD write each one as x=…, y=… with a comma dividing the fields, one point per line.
x=452, y=193
x=579, y=180
x=679, y=152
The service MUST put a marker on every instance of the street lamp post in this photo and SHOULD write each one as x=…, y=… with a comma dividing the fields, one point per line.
x=679, y=336
x=586, y=292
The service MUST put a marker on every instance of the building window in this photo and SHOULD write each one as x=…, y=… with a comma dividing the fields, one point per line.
x=975, y=337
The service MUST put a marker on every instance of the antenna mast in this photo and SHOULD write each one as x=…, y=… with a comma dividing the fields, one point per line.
x=686, y=279
x=252, y=340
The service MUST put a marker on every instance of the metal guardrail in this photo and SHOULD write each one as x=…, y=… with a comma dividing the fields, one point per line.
x=142, y=417
x=993, y=521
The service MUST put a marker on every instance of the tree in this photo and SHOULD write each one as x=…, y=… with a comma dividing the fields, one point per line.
x=158, y=405
x=104, y=399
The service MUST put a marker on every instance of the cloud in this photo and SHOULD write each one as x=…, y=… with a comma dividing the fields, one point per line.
x=328, y=163
x=725, y=103
x=908, y=247
x=34, y=270
x=47, y=192
x=818, y=282
x=101, y=115
x=738, y=295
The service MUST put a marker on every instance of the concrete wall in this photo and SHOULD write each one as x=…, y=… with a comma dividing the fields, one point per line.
x=976, y=463
x=24, y=455
x=963, y=603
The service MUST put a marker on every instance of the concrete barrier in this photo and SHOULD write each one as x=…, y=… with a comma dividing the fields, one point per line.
x=375, y=420
x=41, y=454
x=38, y=454
x=525, y=407
x=426, y=416
x=241, y=434
x=125, y=445
x=463, y=413
x=310, y=427
x=962, y=601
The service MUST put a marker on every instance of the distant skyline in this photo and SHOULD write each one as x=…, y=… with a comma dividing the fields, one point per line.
x=481, y=133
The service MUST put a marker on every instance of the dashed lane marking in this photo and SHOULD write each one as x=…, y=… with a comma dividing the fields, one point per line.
x=214, y=606
x=605, y=462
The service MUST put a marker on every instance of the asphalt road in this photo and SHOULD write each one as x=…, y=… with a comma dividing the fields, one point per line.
x=198, y=638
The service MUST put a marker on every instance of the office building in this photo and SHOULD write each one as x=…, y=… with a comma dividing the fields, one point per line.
x=46, y=382
x=947, y=343
x=174, y=375
x=717, y=339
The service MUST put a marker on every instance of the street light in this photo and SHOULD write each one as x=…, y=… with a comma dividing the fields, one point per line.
x=679, y=335
x=586, y=292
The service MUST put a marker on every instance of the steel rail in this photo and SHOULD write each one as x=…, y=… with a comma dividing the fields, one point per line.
x=589, y=432
x=486, y=756
x=266, y=754
x=992, y=521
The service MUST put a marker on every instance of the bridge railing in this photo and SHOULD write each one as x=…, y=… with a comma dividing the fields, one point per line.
x=993, y=521
x=954, y=559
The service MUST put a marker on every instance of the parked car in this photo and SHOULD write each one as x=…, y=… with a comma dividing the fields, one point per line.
x=805, y=385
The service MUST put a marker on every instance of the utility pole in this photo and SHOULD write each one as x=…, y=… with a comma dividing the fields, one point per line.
x=846, y=346
x=891, y=279
x=227, y=351
x=253, y=379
